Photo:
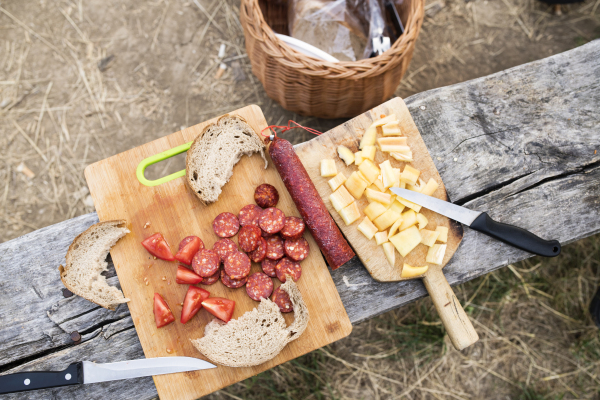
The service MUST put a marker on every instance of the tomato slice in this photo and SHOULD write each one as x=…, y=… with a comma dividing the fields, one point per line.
x=185, y=276
x=187, y=248
x=162, y=313
x=219, y=307
x=193, y=302
x=158, y=247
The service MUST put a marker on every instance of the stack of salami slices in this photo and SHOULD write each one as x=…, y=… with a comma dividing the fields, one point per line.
x=266, y=236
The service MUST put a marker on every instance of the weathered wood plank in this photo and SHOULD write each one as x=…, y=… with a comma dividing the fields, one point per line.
x=532, y=156
x=114, y=342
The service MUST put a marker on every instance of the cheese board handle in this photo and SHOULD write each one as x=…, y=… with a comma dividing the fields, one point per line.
x=146, y=162
x=453, y=316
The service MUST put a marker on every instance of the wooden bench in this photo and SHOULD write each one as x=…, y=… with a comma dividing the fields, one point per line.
x=520, y=144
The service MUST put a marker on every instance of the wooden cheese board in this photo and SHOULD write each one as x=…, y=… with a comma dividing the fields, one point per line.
x=171, y=209
x=371, y=255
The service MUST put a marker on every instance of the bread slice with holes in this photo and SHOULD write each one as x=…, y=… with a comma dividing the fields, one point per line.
x=210, y=160
x=255, y=337
x=86, y=260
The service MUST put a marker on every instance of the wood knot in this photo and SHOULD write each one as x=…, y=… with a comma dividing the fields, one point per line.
x=67, y=293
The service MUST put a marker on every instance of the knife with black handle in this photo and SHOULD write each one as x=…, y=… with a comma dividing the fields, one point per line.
x=88, y=372
x=480, y=221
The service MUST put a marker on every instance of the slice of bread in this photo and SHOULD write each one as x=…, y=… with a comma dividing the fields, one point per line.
x=210, y=160
x=255, y=337
x=86, y=260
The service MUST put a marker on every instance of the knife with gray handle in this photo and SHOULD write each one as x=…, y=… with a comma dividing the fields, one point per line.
x=88, y=372
x=480, y=221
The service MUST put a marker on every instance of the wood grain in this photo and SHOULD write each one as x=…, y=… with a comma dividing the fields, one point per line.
x=175, y=212
x=458, y=326
x=458, y=122
x=349, y=134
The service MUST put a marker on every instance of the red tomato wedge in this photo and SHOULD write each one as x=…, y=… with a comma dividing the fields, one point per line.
x=186, y=276
x=158, y=247
x=193, y=302
x=187, y=248
x=219, y=307
x=162, y=313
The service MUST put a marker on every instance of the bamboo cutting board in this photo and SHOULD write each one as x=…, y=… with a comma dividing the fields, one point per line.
x=170, y=209
x=349, y=134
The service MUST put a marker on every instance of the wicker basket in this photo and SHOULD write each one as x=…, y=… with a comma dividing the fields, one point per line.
x=319, y=88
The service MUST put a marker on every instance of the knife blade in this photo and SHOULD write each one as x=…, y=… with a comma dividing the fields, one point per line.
x=480, y=221
x=88, y=372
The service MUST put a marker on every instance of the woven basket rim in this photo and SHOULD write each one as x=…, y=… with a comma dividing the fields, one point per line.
x=253, y=19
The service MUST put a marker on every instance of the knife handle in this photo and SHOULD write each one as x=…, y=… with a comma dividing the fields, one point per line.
x=23, y=381
x=515, y=236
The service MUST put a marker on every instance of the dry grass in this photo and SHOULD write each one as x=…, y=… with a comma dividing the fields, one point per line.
x=83, y=80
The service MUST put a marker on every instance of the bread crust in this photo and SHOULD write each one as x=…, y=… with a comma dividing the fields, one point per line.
x=196, y=143
x=221, y=342
x=64, y=269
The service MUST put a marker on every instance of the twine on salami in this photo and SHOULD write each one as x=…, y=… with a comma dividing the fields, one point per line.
x=287, y=128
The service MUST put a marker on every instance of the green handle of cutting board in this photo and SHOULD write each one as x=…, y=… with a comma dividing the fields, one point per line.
x=145, y=163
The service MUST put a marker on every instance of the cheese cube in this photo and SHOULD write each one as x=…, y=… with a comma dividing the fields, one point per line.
x=435, y=255
x=443, y=234
x=340, y=199
x=406, y=240
x=337, y=181
x=367, y=228
x=350, y=214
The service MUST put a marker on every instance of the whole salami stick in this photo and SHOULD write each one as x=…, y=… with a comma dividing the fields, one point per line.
x=312, y=209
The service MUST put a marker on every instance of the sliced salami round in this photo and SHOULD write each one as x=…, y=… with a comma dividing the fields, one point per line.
x=226, y=225
x=259, y=286
x=232, y=283
x=289, y=267
x=211, y=279
x=249, y=238
x=223, y=247
x=249, y=215
x=237, y=265
x=296, y=249
x=293, y=228
x=272, y=220
x=205, y=263
x=275, y=249
x=266, y=195
x=282, y=299
x=268, y=267
x=260, y=253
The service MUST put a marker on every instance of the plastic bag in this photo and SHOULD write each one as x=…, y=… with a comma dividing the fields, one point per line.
x=342, y=28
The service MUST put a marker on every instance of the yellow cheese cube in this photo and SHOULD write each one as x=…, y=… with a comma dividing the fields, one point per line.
x=435, y=255
x=367, y=228
x=369, y=137
x=356, y=185
x=374, y=210
x=386, y=219
x=341, y=198
x=369, y=170
x=411, y=272
x=337, y=181
x=406, y=240
x=443, y=234
x=390, y=254
x=428, y=237
x=350, y=214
